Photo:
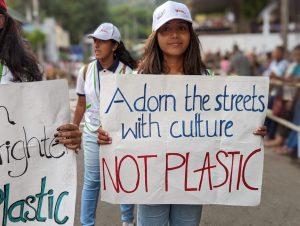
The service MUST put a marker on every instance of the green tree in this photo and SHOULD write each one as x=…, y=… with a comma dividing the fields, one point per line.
x=77, y=17
x=36, y=38
x=133, y=21
x=251, y=8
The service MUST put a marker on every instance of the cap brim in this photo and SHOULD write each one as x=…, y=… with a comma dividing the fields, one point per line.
x=97, y=37
x=101, y=37
x=172, y=18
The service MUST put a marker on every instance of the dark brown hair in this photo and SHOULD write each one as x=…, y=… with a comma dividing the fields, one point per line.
x=124, y=56
x=280, y=48
x=152, y=62
x=16, y=54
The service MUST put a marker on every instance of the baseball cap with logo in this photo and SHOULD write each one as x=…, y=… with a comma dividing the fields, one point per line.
x=169, y=11
x=3, y=5
x=106, y=31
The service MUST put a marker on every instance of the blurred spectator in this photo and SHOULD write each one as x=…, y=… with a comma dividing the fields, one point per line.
x=289, y=97
x=278, y=65
x=266, y=62
x=50, y=71
x=292, y=76
x=291, y=144
x=209, y=60
x=255, y=65
x=276, y=70
x=225, y=64
x=293, y=71
x=239, y=63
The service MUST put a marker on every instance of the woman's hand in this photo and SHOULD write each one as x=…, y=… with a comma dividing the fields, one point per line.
x=70, y=136
x=103, y=137
x=261, y=131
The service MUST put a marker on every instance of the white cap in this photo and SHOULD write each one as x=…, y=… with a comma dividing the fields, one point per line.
x=169, y=11
x=106, y=31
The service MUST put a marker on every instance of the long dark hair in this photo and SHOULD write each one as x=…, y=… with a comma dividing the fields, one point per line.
x=123, y=55
x=16, y=54
x=152, y=62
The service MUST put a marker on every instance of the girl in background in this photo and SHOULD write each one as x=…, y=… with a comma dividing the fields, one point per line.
x=111, y=58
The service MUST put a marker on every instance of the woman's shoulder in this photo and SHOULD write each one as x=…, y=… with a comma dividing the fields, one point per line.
x=209, y=72
x=6, y=76
x=86, y=69
x=124, y=68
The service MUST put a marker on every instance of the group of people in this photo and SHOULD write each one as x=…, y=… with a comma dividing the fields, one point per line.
x=284, y=101
x=234, y=62
x=283, y=69
x=173, y=48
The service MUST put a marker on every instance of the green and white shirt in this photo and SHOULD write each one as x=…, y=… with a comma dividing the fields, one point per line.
x=5, y=75
x=88, y=85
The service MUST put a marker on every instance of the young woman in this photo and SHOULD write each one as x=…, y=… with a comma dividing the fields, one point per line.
x=111, y=58
x=172, y=49
x=18, y=64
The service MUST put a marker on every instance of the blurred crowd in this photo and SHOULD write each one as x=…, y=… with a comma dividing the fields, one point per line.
x=283, y=68
x=66, y=69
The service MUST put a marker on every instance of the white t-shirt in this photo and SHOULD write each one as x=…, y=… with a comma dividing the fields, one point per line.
x=90, y=88
x=277, y=67
x=5, y=75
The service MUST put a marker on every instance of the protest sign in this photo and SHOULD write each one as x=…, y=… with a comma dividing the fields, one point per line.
x=37, y=175
x=182, y=139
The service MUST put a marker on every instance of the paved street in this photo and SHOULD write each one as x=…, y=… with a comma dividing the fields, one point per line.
x=280, y=205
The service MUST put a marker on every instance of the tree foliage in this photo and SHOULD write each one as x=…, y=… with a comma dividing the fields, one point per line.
x=36, y=38
x=77, y=17
x=251, y=8
x=133, y=21
x=132, y=17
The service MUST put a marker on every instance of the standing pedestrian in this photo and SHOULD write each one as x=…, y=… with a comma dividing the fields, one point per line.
x=239, y=63
x=275, y=71
x=111, y=58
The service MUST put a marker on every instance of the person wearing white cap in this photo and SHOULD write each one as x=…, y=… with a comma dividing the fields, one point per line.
x=111, y=58
x=173, y=49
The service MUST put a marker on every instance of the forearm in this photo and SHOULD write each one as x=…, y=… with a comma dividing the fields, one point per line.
x=78, y=115
x=80, y=110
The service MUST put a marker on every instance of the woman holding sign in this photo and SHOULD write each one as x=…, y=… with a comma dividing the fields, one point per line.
x=111, y=58
x=18, y=64
x=172, y=49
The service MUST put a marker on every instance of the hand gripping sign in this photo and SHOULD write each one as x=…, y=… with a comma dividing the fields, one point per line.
x=182, y=139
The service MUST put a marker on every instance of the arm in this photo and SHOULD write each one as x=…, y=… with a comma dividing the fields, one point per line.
x=278, y=70
x=81, y=101
x=80, y=109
